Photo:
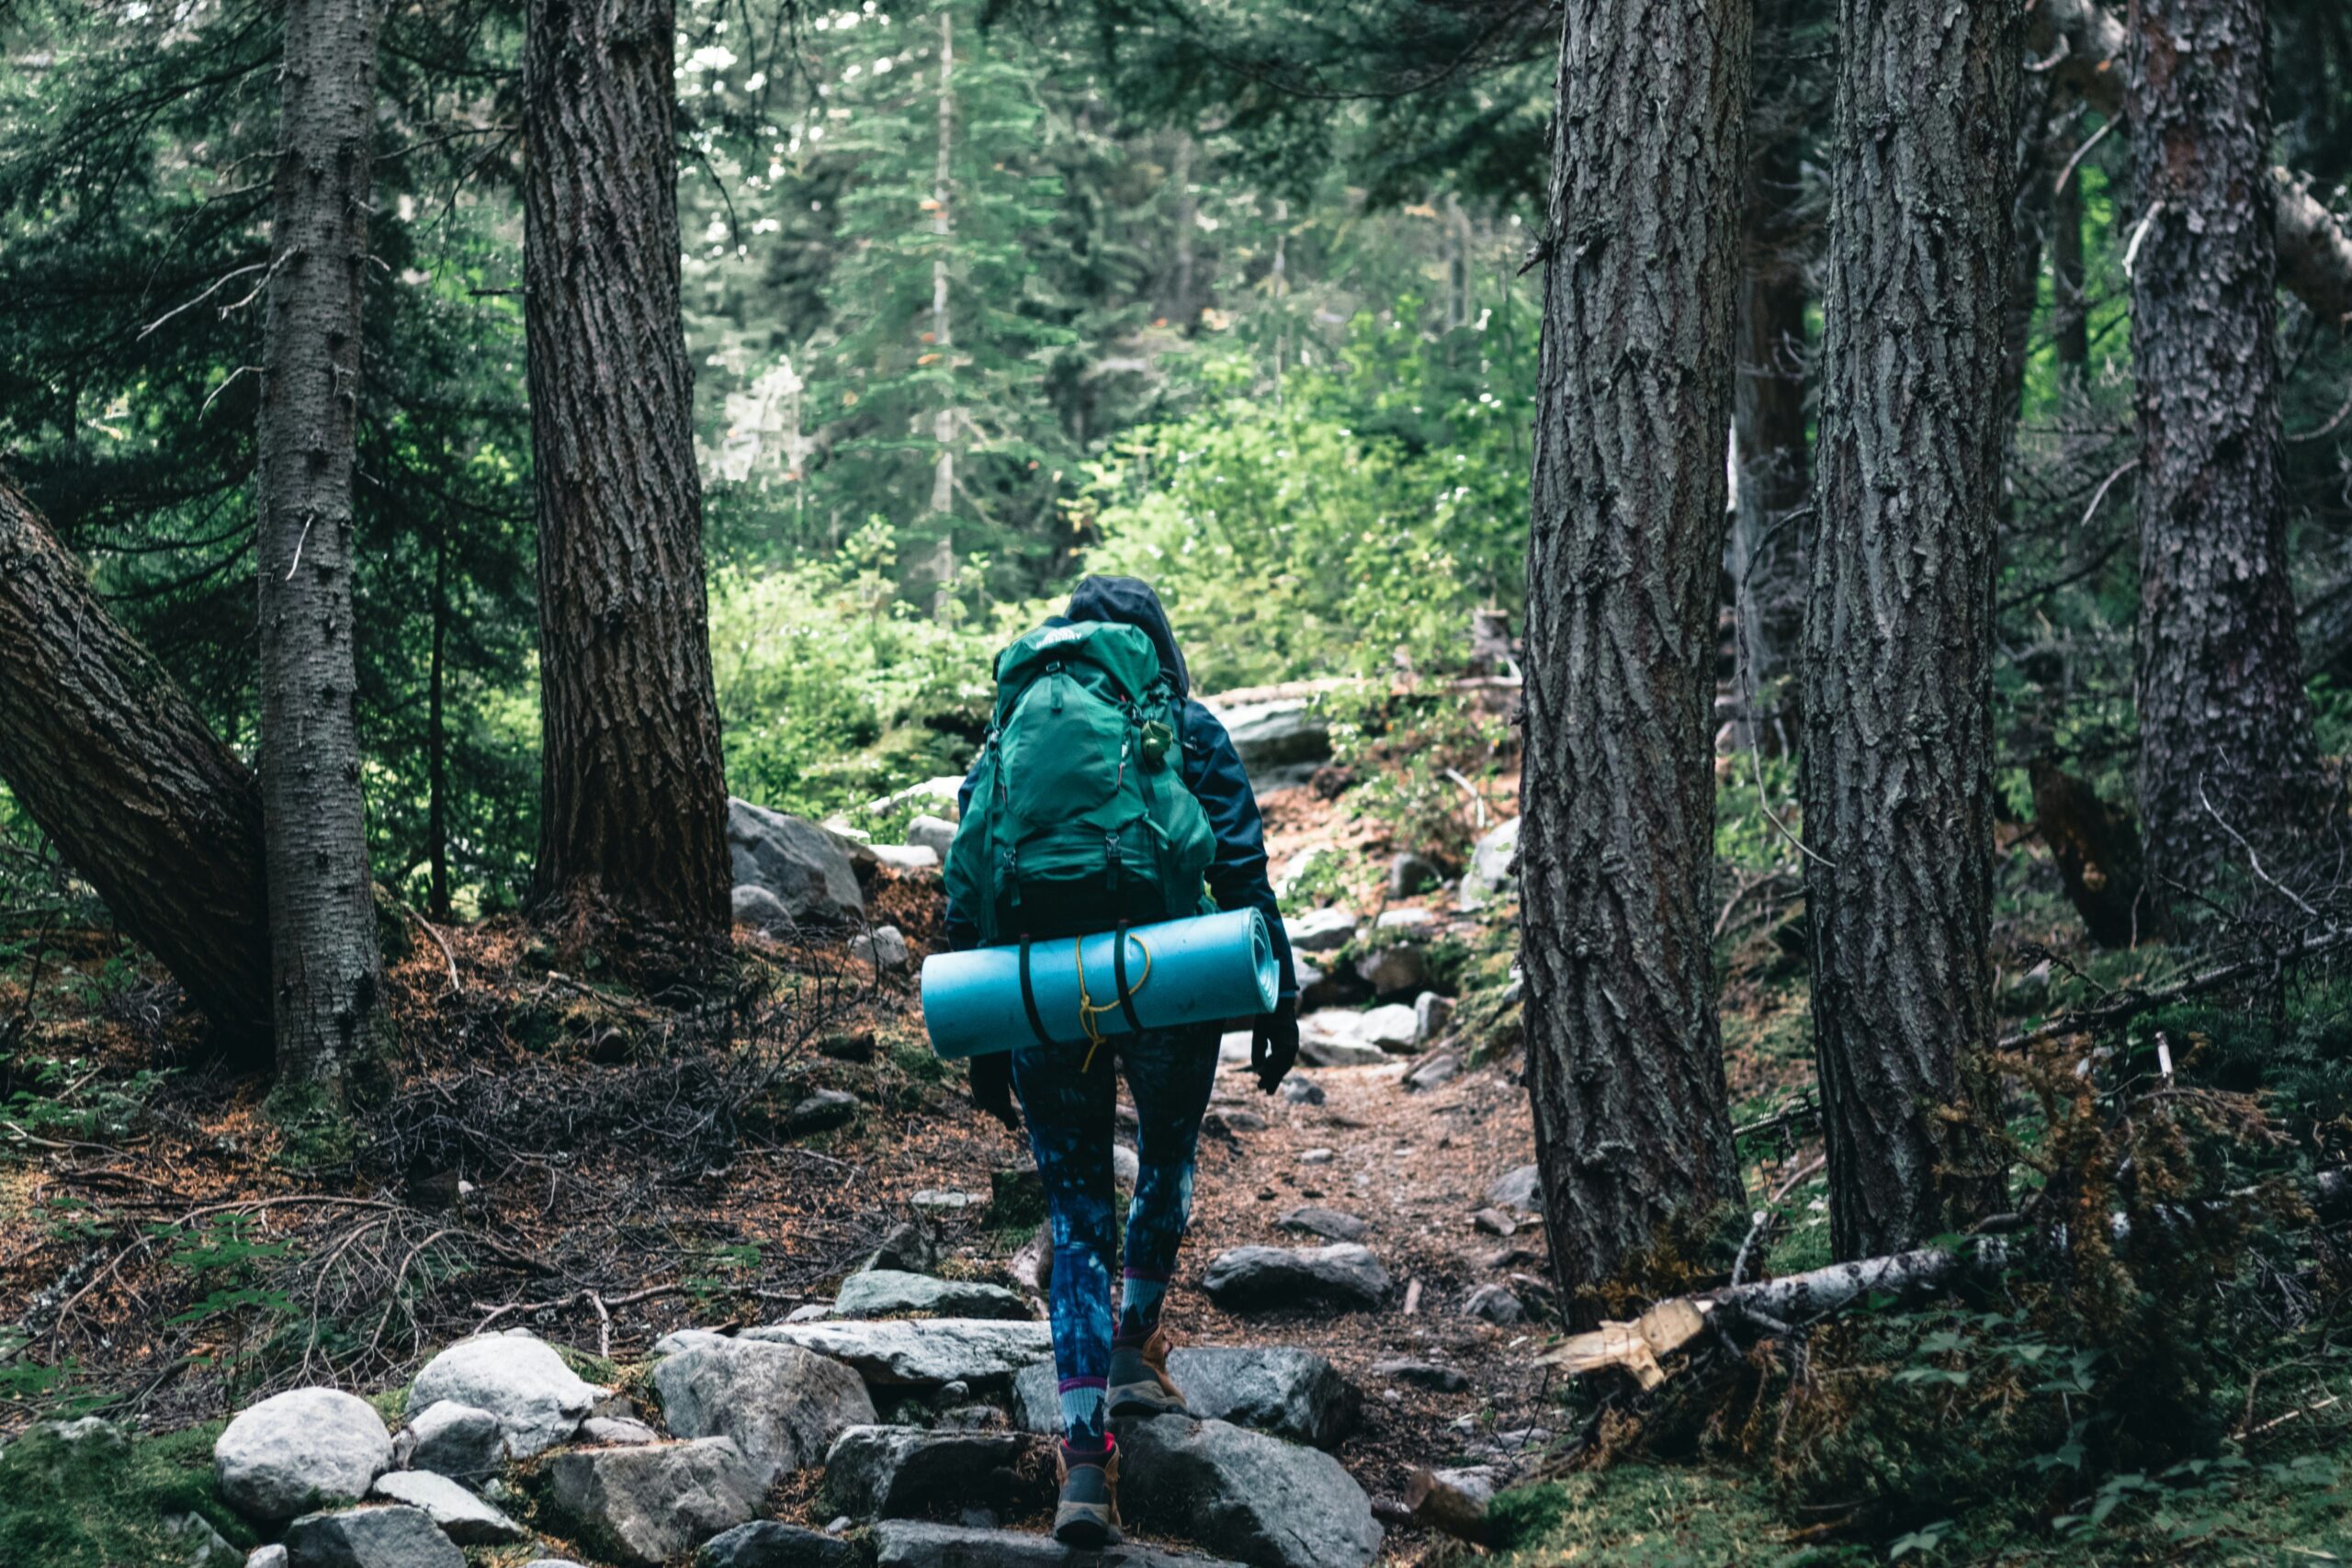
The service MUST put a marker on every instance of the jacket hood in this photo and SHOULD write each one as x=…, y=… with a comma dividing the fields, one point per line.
x=1131, y=602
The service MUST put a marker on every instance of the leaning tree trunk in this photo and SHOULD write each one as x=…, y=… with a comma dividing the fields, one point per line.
x=2225, y=732
x=111, y=759
x=1897, y=763
x=633, y=794
x=327, y=975
x=1624, y=1065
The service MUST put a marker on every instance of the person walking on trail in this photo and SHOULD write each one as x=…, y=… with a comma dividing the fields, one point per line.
x=1059, y=880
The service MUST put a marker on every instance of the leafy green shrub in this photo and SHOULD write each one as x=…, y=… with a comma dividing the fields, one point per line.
x=96, y=1504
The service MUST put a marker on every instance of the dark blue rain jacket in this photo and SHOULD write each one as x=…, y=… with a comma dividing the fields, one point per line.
x=1212, y=772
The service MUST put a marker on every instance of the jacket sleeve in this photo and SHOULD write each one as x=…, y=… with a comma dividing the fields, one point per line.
x=963, y=925
x=1237, y=876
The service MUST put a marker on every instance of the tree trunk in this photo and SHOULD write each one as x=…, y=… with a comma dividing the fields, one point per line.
x=1897, y=757
x=2070, y=306
x=436, y=738
x=633, y=794
x=943, y=326
x=326, y=975
x=2314, y=252
x=110, y=758
x=1624, y=1063
x=1767, y=556
x=2223, y=721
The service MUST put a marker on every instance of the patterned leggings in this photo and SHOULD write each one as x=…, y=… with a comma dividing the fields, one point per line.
x=1070, y=1111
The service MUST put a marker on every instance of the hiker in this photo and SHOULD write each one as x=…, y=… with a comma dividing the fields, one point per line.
x=1108, y=1366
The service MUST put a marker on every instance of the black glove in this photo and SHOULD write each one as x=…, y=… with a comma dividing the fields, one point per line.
x=992, y=1086
x=1274, y=1044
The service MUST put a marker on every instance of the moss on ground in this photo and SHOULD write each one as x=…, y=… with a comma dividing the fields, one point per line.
x=92, y=1504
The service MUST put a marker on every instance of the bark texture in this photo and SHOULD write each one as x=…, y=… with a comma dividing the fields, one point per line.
x=107, y=755
x=2315, y=251
x=1625, y=1068
x=1897, y=757
x=1766, y=557
x=633, y=797
x=2222, y=715
x=326, y=971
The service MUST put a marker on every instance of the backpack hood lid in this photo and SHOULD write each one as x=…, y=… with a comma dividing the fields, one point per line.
x=1130, y=601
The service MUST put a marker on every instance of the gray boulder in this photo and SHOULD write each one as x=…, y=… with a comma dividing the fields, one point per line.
x=879, y=1292
x=455, y=1439
x=644, y=1506
x=885, y=947
x=1250, y=1497
x=195, y=1544
x=388, y=1536
x=1434, y=1071
x=781, y=1404
x=612, y=1430
x=1291, y=1393
x=900, y=1352
x=1276, y=734
x=1494, y=1304
x=807, y=868
x=1300, y=1091
x=297, y=1449
x=911, y=1543
x=767, y=1543
x=934, y=833
x=274, y=1556
x=1421, y=1374
x=1321, y=930
x=762, y=910
x=1521, y=1188
x=1494, y=867
x=1409, y=874
x=911, y=1246
x=820, y=1111
x=892, y=1472
x=1334, y=1038
x=517, y=1377
x=1392, y=1028
x=679, y=1339
x=1343, y=1275
x=1431, y=1013
x=463, y=1517
x=905, y=857
x=1391, y=970
x=1329, y=1224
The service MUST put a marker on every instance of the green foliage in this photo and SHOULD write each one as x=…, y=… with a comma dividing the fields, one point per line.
x=1343, y=519
x=1413, y=758
x=1639, y=1516
x=98, y=1504
x=73, y=1098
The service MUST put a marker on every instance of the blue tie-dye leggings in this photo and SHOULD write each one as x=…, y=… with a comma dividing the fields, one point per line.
x=1069, y=1111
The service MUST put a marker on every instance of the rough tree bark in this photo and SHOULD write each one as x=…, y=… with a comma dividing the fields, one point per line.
x=633, y=796
x=1767, y=557
x=109, y=756
x=2223, y=720
x=326, y=974
x=2070, y=304
x=1625, y=1069
x=1897, y=757
x=2313, y=248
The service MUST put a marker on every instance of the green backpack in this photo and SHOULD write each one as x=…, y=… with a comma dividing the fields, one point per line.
x=1080, y=818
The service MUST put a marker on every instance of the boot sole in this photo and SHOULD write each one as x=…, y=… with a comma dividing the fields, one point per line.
x=1143, y=1399
x=1086, y=1532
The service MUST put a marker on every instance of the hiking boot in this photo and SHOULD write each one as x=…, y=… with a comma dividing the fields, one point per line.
x=1087, y=1516
x=1139, y=1383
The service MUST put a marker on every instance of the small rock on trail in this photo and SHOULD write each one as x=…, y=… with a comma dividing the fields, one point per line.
x=897, y=1352
x=1289, y=1392
x=643, y=1506
x=781, y=1404
x=518, y=1378
x=457, y=1440
x=766, y=1543
x=1253, y=1278
x=904, y=1472
x=877, y=1292
x=1254, y=1498
x=907, y=1543
x=462, y=1517
x=387, y=1536
x=1329, y=1224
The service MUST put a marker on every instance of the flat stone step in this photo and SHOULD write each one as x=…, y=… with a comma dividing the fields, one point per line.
x=911, y=1543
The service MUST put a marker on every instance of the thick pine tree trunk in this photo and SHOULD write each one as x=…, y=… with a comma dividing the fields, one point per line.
x=633, y=796
x=107, y=755
x=1624, y=1064
x=1897, y=763
x=2222, y=715
x=326, y=973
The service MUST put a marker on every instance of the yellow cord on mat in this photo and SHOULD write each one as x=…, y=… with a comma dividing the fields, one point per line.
x=1087, y=1011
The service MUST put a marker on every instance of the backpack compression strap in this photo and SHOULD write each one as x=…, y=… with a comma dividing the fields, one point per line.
x=1029, y=998
x=1119, y=976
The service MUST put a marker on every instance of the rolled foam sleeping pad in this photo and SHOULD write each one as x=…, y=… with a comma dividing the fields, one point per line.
x=1198, y=970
